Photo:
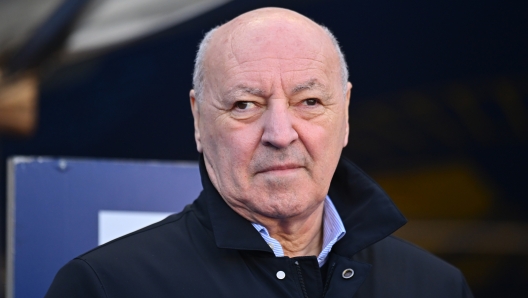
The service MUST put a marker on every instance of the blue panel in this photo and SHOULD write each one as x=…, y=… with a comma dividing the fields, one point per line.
x=57, y=204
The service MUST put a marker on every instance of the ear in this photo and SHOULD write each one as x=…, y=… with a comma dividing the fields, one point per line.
x=347, y=103
x=196, y=115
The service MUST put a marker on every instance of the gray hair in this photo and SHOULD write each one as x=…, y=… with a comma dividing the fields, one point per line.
x=199, y=69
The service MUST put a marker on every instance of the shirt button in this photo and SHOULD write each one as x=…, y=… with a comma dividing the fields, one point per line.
x=348, y=273
x=281, y=274
x=270, y=245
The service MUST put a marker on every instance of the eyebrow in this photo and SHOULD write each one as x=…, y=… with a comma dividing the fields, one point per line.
x=241, y=90
x=310, y=85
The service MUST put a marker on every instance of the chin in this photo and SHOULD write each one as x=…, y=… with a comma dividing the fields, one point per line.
x=284, y=206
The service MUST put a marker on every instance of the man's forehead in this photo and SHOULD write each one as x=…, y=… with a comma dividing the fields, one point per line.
x=275, y=38
x=267, y=16
x=294, y=44
x=268, y=33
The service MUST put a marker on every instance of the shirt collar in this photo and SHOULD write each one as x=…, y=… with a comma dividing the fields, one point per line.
x=333, y=230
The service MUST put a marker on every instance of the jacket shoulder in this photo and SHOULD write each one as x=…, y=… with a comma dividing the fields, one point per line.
x=400, y=266
x=403, y=252
x=76, y=279
x=162, y=238
x=153, y=231
x=145, y=255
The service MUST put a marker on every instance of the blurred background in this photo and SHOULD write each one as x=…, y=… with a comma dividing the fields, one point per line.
x=438, y=115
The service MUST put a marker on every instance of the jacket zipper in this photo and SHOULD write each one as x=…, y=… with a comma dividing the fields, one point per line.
x=328, y=278
x=301, y=280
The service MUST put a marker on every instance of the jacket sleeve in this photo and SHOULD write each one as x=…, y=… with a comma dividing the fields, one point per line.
x=76, y=279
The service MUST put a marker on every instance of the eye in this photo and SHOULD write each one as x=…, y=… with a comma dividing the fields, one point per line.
x=244, y=105
x=311, y=101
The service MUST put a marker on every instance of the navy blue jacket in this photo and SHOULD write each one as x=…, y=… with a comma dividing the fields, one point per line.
x=208, y=250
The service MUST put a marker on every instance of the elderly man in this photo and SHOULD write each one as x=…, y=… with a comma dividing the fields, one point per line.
x=281, y=214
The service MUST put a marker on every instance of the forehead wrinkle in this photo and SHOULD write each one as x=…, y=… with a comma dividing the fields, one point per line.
x=243, y=63
x=231, y=38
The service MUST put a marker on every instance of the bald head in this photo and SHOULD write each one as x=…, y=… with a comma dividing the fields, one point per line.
x=260, y=28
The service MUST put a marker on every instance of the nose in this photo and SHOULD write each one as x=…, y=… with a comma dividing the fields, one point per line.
x=278, y=126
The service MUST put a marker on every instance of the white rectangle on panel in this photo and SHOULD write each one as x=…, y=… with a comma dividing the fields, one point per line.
x=116, y=223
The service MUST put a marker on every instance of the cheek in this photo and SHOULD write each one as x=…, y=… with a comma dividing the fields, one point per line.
x=324, y=143
x=322, y=138
x=232, y=145
x=232, y=152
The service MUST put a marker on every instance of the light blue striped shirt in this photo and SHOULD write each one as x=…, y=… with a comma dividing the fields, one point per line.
x=333, y=230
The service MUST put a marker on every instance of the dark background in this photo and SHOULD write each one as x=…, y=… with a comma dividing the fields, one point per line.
x=438, y=111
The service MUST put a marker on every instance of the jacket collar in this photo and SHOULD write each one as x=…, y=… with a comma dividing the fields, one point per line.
x=229, y=228
x=367, y=212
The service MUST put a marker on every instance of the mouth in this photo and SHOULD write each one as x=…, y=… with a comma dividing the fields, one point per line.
x=279, y=169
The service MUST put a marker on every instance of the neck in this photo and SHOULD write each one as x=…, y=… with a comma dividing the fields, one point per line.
x=300, y=236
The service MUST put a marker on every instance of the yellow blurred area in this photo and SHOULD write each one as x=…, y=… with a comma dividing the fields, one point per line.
x=453, y=190
x=18, y=104
x=447, y=206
